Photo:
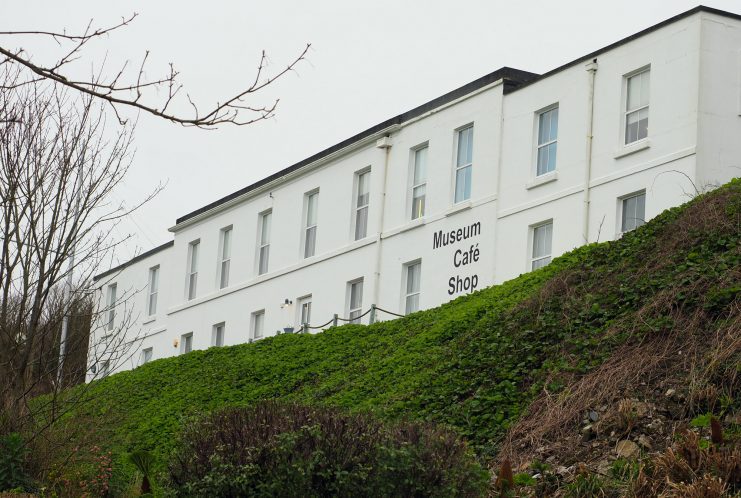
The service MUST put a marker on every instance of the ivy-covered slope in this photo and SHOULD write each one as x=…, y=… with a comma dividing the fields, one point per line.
x=475, y=363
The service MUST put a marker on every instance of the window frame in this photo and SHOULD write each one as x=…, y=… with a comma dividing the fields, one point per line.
x=413, y=185
x=459, y=167
x=532, y=259
x=253, y=324
x=152, y=290
x=350, y=309
x=306, y=223
x=301, y=303
x=406, y=294
x=261, y=244
x=111, y=298
x=621, y=208
x=147, y=355
x=186, y=339
x=191, y=277
x=538, y=146
x=625, y=111
x=218, y=332
x=223, y=270
x=357, y=208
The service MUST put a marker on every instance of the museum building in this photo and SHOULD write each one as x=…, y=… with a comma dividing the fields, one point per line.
x=475, y=187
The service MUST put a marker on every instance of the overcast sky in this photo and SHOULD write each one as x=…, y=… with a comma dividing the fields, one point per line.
x=369, y=61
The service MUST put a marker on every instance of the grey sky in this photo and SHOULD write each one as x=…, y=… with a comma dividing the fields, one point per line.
x=370, y=61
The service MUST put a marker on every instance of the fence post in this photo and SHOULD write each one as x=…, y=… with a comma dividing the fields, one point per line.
x=334, y=320
x=305, y=328
x=372, y=314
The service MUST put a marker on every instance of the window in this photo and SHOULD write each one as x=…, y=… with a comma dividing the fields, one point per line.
x=154, y=277
x=633, y=212
x=413, y=274
x=105, y=369
x=542, y=236
x=419, y=182
x=217, y=334
x=547, y=141
x=225, y=257
x=304, y=311
x=193, y=268
x=312, y=204
x=186, y=343
x=111, y=306
x=464, y=164
x=355, y=300
x=362, y=198
x=264, y=247
x=258, y=324
x=636, y=106
x=146, y=355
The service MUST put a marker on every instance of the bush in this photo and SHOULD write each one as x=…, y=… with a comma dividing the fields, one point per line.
x=12, y=463
x=280, y=449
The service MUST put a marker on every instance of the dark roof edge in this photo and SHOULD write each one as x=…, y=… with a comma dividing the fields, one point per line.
x=135, y=259
x=627, y=39
x=513, y=78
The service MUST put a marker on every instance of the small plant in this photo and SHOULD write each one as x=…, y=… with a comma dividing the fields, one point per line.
x=701, y=421
x=13, y=455
x=144, y=462
x=625, y=470
x=585, y=486
x=524, y=479
x=628, y=414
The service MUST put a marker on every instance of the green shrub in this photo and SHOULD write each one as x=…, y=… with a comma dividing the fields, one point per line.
x=281, y=449
x=13, y=455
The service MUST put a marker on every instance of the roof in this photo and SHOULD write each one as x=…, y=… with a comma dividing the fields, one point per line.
x=136, y=259
x=512, y=77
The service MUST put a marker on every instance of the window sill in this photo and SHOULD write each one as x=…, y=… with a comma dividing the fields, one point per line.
x=542, y=180
x=633, y=148
x=461, y=206
x=149, y=319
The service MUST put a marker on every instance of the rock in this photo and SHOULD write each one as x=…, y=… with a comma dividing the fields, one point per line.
x=561, y=470
x=604, y=467
x=587, y=433
x=645, y=443
x=627, y=449
x=593, y=416
x=670, y=393
x=550, y=459
x=641, y=408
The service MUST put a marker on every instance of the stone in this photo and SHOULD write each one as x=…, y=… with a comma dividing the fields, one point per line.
x=645, y=443
x=587, y=433
x=593, y=416
x=670, y=393
x=627, y=449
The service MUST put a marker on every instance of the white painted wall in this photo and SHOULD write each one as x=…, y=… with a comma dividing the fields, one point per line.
x=695, y=100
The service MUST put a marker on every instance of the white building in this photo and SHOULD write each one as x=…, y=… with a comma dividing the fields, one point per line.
x=470, y=189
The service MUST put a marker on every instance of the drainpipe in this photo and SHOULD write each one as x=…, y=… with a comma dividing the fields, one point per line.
x=591, y=68
x=381, y=143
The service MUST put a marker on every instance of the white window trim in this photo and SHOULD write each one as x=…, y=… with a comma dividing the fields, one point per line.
x=214, y=333
x=531, y=243
x=456, y=167
x=191, y=294
x=151, y=271
x=619, y=221
x=301, y=301
x=260, y=242
x=411, y=185
x=253, y=322
x=306, y=227
x=636, y=145
x=143, y=360
x=222, y=260
x=550, y=175
x=183, y=341
x=111, y=298
x=355, y=208
x=405, y=281
x=348, y=309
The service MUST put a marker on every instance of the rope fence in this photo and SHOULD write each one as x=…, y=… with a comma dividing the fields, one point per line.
x=334, y=321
